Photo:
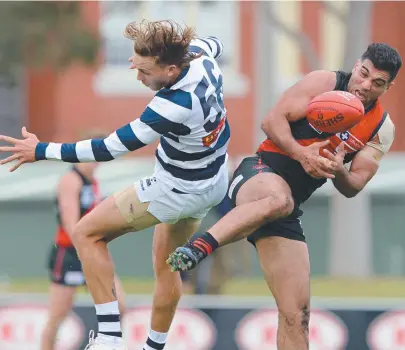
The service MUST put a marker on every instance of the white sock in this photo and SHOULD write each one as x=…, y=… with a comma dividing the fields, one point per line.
x=108, y=317
x=156, y=341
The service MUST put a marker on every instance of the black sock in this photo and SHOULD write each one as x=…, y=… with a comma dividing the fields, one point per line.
x=206, y=243
x=111, y=325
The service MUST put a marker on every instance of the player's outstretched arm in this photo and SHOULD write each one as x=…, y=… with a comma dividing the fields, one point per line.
x=163, y=115
x=29, y=149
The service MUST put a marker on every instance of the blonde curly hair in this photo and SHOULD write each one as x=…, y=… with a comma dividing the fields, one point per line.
x=165, y=40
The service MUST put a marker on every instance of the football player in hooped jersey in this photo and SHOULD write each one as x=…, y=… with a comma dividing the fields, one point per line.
x=187, y=113
x=267, y=189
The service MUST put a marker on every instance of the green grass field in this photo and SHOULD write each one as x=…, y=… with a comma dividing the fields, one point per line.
x=322, y=287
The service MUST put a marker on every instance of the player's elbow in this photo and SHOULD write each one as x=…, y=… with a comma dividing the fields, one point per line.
x=351, y=192
x=351, y=186
x=266, y=124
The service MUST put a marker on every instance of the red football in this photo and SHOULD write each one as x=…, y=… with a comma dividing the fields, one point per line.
x=334, y=111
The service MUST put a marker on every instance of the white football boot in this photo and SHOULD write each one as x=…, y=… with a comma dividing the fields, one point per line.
x=100, y=344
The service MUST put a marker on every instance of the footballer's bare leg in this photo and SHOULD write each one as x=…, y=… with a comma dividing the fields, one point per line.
x=286, y=268
x=168, y=285
x=113, y=217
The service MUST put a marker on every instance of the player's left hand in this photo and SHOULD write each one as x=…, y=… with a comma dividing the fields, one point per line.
x=23, y=150
x=338, y=157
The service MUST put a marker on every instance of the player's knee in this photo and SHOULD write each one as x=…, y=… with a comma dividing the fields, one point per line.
x=287, y=205
x=295, y=318
x=79, y=236
x=76, y=237
x=280, y=204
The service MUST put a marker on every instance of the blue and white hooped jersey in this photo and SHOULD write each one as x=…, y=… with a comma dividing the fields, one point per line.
x=189, y=117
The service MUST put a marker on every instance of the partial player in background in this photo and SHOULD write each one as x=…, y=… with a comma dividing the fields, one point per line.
x=77, y=194
x=188, y=115
x=268, y=188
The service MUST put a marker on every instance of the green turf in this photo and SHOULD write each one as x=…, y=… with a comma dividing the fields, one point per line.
x=323, y=287
x=327, y=287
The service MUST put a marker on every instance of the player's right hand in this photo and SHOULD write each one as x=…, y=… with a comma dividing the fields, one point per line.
x=314, y=164
x=23, y=150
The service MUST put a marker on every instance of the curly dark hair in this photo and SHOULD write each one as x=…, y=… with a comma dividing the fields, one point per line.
x=166, y=40
x=384, y=57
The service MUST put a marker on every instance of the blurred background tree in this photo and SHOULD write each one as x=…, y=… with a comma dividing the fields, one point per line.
x=43, y=34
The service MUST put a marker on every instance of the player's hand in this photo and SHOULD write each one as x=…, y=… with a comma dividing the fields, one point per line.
x=23, y=150
x=315, y=164
x=338, y=157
